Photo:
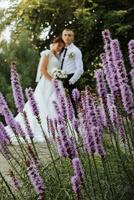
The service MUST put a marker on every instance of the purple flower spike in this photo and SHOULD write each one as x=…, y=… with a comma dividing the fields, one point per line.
x=132, y=78
x=69, y=107
x=17, y=90
x=127, y=98
x=4, y=137
x=116, y=52
x=106, y=35
x=77, y=168
x=76, y=94
x=68, y=143
x=131, y=52
x=30, y=97
x=60, y=146
x=75, y=180
x=36, y=179
x=96, y=131
x=101, y=84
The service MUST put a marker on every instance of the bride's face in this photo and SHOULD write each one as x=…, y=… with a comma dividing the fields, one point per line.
x=57, y=47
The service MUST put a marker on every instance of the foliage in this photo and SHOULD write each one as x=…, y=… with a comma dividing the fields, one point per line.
x=26, y=57
x=87, y=17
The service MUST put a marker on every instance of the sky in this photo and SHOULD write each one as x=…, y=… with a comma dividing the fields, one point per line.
x=4, y=4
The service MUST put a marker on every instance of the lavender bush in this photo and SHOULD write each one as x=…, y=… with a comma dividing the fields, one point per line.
x=95, y=161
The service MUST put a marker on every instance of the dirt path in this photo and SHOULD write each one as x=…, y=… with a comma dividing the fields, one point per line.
x=42, y=151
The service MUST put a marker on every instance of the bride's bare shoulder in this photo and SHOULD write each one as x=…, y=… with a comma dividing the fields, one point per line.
x=45, y=52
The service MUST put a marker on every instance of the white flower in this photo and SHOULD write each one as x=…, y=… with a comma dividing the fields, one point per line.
x=59, y=74
x=71, y=55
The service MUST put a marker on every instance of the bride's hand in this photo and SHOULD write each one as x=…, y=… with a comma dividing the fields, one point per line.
x=48, y=77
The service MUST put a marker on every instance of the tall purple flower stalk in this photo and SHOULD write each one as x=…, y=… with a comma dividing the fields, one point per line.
x=116, y=52
x=127, y=98
x=106, y=70
x=132, y=78
x=115, y=117
x=97, y=133
x=102, y=114
x=69, y=109
x=17, y=89
x=121, y=72
x=36, y=180
x=9, y=117
x=107, y=61
x=76, y=184
x=77, y=168
x=86, y=125
x=3, y=103
x=67, y=143
x=126, y=93
x=118, y=71
x=30, y=97
x=131, y=52
x=66, y=108
x=78, y=177
x=92, y=126
x=6, y=112
x=101, y=84
x=60, y=118
x=87, y=119
x=106, y=35
x=60, y=147
x=76, y=94
x=61, y=98
x=88, y=139
x=111, y=108
x=4, y=137
x=131, y=58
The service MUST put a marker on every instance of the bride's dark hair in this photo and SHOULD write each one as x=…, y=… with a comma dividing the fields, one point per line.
x=58, y=40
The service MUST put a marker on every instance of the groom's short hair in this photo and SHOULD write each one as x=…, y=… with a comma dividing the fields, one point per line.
x=68, y=29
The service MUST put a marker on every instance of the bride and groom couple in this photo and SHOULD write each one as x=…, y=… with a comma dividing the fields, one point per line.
x=63, y=54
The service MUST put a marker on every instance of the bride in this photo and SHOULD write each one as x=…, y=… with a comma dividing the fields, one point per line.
x=44, y=92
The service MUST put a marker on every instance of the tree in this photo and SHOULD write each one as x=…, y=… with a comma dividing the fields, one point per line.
x=87, y=17
x=26, y=56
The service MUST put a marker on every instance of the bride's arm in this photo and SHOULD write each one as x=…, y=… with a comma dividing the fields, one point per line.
x=43, y=67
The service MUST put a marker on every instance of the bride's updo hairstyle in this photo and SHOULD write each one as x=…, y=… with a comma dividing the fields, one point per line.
x=57, y=40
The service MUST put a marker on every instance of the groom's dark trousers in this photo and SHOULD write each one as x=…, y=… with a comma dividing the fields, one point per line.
x=70, y=88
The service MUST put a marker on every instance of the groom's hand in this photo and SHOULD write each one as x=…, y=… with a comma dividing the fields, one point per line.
x=70, y=82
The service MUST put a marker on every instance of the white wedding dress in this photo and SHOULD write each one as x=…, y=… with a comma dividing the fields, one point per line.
x=44, y=95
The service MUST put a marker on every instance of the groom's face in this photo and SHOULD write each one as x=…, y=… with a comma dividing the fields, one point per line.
x=68, y=37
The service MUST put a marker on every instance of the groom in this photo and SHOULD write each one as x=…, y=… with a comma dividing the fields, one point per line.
x=71, y=63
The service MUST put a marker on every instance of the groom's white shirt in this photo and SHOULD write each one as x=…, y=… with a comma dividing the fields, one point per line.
x=73, y=63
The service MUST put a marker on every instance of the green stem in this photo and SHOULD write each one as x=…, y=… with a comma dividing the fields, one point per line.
x=47, y=142
x=7, y=185
x=101, y=191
